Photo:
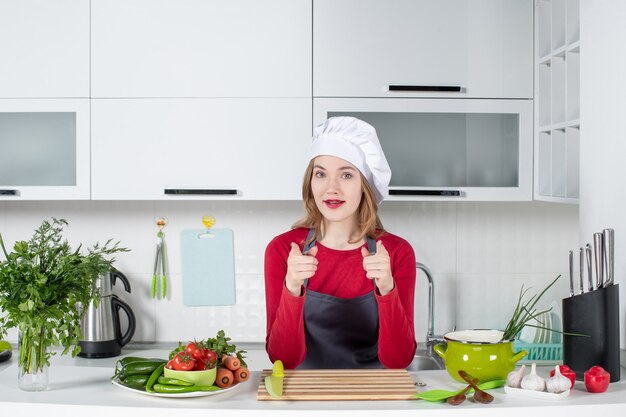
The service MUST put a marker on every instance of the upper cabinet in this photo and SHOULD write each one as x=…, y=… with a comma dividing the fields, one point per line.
x=557, y=98
x=44, y=48
x=423, y=48
x=44, y=149
x=201, y=48
x=173, y=149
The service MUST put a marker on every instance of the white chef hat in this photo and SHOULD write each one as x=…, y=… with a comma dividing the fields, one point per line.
x=355, y=141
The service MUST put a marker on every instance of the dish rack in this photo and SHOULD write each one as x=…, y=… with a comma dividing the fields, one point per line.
x=540, y=351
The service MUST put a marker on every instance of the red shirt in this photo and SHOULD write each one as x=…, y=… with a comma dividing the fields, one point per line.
x=339, y=273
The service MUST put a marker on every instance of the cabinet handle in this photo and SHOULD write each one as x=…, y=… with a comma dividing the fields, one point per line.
x=9, y=192
x=436, y=88
x=440, y=193
x=204, y=191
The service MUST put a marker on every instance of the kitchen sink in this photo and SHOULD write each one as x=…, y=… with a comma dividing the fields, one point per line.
x=424, y=362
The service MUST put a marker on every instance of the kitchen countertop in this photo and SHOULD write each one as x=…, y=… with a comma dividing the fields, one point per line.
x=82, y=386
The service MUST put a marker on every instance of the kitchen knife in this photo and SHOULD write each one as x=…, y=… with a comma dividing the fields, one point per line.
x=599, y=258
x=581, y=288
x=589, y=268
x=571, y=273
x=609, y=255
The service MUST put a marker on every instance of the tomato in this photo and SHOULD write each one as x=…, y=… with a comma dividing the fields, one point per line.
x=210, y=356
x=597, y=379
x=567, y=372
x=201, y=366
x=170, y=364
x=182, y=362
x=192, y=350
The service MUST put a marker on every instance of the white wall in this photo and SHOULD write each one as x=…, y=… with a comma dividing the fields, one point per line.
x=603, y=137
x=480, y=254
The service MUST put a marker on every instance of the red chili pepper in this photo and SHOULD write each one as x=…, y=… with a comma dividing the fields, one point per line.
x=597, y=379
x=566, y=371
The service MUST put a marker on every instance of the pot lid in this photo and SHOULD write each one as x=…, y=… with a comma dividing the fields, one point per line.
x=475, y=336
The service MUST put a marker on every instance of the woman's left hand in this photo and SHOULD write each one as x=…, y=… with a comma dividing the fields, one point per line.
x=378, y=267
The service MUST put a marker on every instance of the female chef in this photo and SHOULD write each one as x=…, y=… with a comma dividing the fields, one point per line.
x=339, y=289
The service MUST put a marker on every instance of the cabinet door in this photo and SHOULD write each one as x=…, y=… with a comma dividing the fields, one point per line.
x=362, y=47
x=201, y=48
x=199, y=148
x=44, y=149
x=44, y=48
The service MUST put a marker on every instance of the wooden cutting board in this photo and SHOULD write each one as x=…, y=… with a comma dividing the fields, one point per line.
x=342, y=384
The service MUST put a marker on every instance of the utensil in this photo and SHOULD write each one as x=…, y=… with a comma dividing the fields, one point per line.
x=581, y=253
x=598, y=246
x=589, y=268
x=479, y=395
x=609, y=255
x=460, y=397
x=571, y=273
x=439, y=395
x=159, y=276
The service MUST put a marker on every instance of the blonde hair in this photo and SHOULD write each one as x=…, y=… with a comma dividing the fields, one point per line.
x=367, y=213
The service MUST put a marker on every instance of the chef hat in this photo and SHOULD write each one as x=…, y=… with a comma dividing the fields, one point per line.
x=355, y=141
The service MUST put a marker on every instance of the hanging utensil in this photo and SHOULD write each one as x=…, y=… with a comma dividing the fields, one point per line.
x=581, y=265
x=159, y=276
x=571, y=273
x=609, y=255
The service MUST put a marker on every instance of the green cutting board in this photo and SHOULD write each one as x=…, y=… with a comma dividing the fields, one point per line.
x=208, y=267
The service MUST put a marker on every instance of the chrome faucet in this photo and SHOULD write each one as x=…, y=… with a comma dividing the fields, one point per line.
x=431, y=339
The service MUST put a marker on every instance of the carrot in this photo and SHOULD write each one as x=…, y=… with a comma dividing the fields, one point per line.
x=224, y=378
x=241, y=374
x=231, y=362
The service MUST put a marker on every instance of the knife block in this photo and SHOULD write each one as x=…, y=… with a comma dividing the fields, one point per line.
x=595, y=314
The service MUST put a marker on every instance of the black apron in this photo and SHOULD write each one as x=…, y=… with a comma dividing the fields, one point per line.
x=340, y=332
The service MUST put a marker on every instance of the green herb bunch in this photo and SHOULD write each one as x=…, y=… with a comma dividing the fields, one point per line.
x=41, y=283
x=525, y=311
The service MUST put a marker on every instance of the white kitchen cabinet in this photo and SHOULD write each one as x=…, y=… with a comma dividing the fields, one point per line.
x=201, y=48
x=557, y=98
x=241, y=149
x=44, y=149
x=362, y=48
x=44, y=48
x=448, y=149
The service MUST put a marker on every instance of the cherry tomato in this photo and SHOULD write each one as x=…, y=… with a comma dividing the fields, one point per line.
x=566, y=371
x=201, y=366
x=191, y=349
x=170, y=364
x=597, y=379
x=210, y=356
x=182, y=362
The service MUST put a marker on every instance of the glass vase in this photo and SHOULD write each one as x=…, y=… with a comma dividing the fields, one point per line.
x=32, y=366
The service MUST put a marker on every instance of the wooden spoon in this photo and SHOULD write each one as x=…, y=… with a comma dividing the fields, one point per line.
x=479, y=395
x=460, y=397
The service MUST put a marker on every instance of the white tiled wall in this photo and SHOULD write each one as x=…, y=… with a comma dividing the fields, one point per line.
x=480, y=255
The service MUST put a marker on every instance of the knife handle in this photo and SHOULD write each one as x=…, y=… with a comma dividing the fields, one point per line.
x=589, y=267
x=582, y=270
x=609, y=255
x=598, y=246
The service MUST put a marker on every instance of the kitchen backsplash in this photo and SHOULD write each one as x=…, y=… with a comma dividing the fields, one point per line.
x=480, y=255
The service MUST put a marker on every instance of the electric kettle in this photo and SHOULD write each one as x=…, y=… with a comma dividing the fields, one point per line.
x=100, y=325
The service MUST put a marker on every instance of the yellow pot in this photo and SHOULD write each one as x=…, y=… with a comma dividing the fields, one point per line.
x=480, y=353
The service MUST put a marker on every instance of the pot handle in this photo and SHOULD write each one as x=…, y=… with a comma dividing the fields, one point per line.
x=441, y=349
x=118, y=304
x=519, y=355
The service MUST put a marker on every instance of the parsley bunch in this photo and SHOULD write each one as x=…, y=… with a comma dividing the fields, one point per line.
x=41, y=283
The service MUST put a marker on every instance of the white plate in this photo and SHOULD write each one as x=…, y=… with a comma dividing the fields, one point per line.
x=540, y=395
x=528, y=333
x=556, y=322
x=183, y=395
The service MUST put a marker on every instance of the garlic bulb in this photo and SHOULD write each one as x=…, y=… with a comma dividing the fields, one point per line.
x=514, y=378
x=559, y=382
x=533, y=381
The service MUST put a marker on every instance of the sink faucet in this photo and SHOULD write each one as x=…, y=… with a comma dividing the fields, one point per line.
x=431, y=339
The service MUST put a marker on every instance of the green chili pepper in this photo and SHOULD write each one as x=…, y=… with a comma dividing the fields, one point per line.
x=153, y=378
x=139, y=368
x=173, y=381
x=135, y=381
x=177, y=389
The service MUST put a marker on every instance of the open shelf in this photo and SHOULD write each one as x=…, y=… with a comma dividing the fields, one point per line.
x=557, y=100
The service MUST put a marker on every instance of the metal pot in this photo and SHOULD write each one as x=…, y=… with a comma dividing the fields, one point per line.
x=481, y=353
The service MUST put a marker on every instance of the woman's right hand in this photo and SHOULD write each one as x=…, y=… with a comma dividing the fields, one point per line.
x=299, y=268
